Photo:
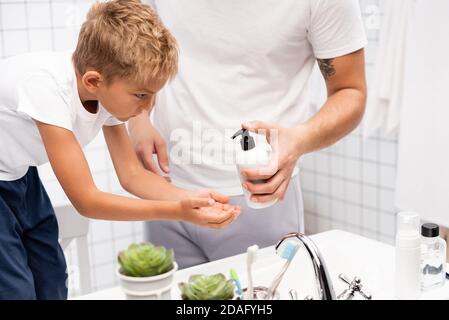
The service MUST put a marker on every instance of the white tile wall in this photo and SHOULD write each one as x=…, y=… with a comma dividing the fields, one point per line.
x=360, y=173
x=349, y=186
x=14, y=15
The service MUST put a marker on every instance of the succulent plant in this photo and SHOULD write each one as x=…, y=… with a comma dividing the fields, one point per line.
x=203, y=287
x=145, y=260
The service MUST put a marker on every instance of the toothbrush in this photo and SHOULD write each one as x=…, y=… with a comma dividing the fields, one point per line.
x=251, y=256
x=235, y=277
x=288, y=253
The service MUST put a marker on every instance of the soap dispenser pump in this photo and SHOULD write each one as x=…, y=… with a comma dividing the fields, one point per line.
x=251, y=156
x=247, y=142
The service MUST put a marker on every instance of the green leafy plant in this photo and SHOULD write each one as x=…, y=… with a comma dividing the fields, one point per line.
x=202, y=287
x=145, y=260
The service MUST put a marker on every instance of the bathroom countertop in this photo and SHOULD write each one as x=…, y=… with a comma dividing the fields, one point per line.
x=343, y=252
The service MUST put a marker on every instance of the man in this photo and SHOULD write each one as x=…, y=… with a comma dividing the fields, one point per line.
x=250, y=61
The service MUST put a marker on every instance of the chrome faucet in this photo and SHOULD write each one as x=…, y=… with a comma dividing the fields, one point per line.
x=324, y=286
x=323, y=283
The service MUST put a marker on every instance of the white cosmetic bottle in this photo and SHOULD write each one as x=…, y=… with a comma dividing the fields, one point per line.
x=251, y=156
x=408, y=256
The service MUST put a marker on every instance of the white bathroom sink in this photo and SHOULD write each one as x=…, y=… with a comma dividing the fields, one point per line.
x=342, y=252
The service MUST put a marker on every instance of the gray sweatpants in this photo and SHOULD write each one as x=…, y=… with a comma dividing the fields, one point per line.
x=196, y=245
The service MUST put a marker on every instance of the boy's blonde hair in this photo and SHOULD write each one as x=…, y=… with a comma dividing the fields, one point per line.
x=125, y=39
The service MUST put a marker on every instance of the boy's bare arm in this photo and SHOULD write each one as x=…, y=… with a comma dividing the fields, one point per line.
x=135, y=179
x=72, y=171
x=147, y=141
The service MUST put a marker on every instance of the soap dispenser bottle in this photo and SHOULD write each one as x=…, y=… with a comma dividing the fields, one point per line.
x=433, y=257
x=251, y=156
x=408, y=256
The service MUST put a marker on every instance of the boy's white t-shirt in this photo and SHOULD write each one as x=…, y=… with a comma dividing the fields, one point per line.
x=243, y=61
x=40, y=86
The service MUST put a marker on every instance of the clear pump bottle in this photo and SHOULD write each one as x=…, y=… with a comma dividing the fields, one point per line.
x=433, y=257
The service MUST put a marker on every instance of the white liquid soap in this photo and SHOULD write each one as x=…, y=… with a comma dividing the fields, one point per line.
x=251, y=156
x=408, y=257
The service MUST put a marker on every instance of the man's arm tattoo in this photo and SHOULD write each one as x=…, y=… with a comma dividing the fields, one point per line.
x=327, y=68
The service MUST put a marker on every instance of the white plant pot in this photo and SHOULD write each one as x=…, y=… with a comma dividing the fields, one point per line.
x=148, y=288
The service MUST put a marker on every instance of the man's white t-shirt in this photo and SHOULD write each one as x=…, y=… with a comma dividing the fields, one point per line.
x=242, y=61
x=40, y=86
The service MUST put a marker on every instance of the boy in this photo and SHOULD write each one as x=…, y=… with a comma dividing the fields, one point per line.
x=53, y=104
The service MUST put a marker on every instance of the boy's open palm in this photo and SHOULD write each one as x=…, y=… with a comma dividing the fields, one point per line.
x=207, y=212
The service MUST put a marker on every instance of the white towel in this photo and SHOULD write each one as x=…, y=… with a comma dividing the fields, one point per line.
x=385, y=91
x=423, y=159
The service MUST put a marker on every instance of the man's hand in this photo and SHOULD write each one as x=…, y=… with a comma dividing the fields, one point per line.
x=342, y=112
x=147, y=141
x=285, y=144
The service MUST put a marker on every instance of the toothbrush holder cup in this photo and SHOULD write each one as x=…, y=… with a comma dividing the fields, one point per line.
x=260, y=293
